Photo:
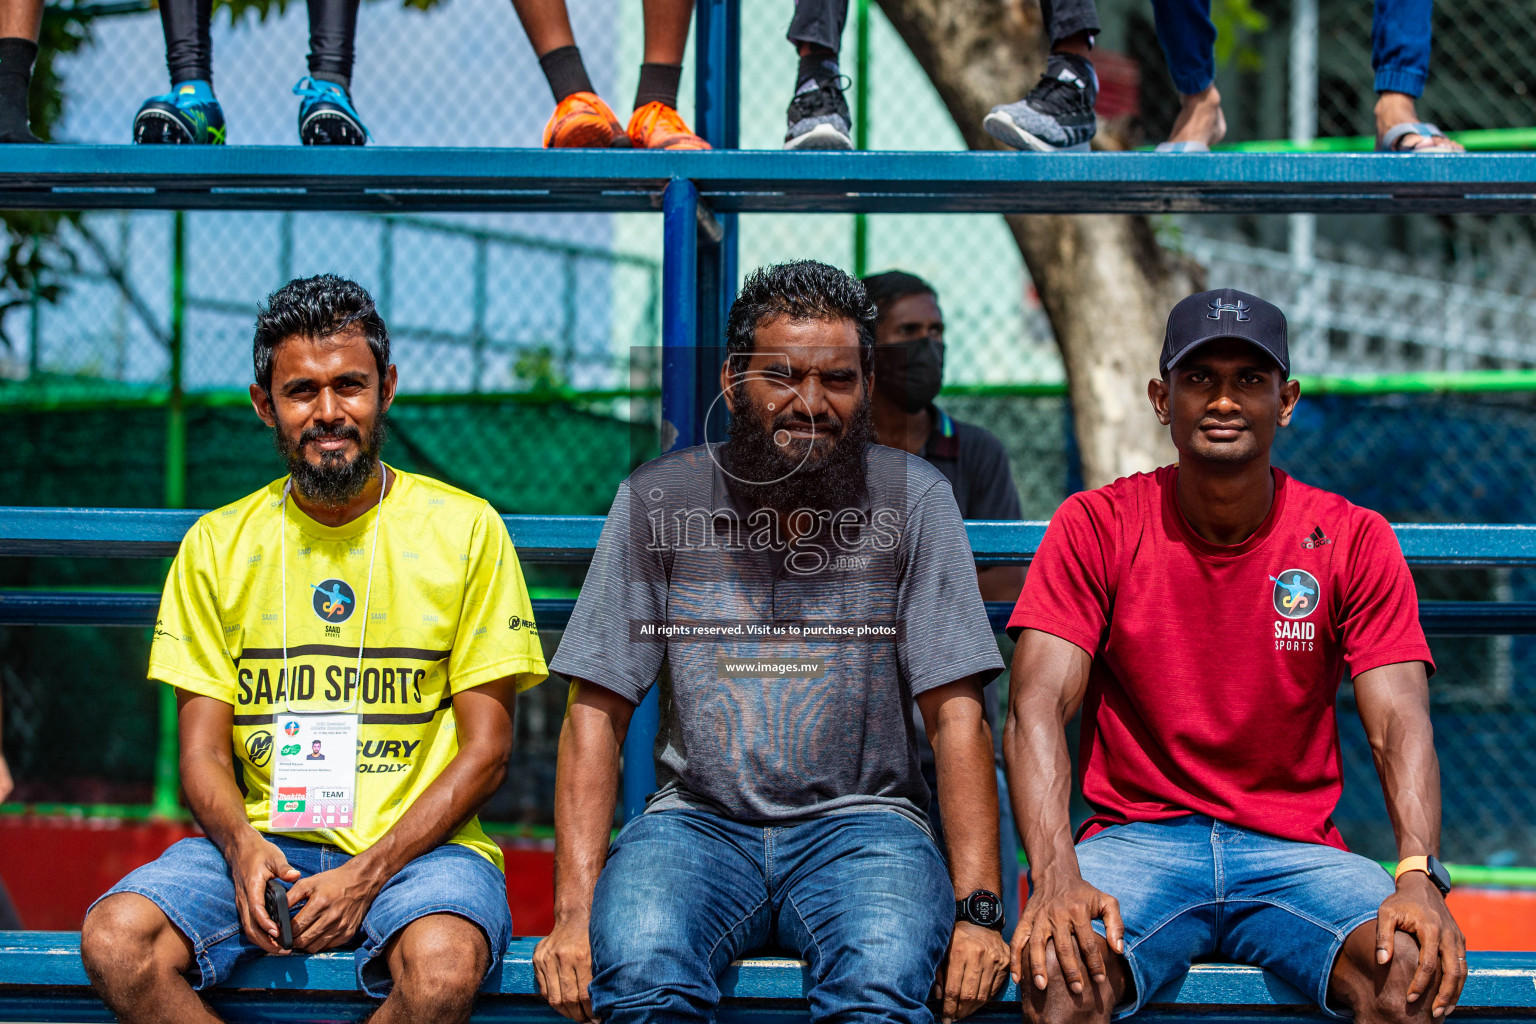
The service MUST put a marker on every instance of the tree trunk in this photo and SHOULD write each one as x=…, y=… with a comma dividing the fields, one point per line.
x=1104, y=281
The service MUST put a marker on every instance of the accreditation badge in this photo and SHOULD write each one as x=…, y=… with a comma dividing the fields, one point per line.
x=314, y=772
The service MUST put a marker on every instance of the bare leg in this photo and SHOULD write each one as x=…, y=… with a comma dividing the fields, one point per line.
x=21, y=19
x=437, y=963
x=1393, y=108
x=1058, y=1005
x=1377, y=994
x=1200, y=118
x=135, y=958
x=547, y=23
x=666, y=30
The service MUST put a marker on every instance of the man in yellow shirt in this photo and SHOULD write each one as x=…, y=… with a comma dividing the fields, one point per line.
x=377, y=615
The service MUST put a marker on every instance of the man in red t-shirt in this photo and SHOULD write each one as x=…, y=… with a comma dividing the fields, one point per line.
x=1202, y=617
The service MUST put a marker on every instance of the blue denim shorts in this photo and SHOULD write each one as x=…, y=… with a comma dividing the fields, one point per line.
x=190, y=882
x=1194, y=888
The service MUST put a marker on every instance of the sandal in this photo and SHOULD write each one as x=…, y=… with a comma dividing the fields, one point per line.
x=1182, y=147
x=1391, y=142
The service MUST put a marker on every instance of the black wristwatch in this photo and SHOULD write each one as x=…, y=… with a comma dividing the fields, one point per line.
x=981, y=907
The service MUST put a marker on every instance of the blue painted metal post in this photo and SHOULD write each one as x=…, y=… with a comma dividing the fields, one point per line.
x=717, y=74
x=717, y=117
x=679, y=314
x=680, y=428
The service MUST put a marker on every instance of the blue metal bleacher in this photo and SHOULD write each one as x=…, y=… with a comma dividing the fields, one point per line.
x=1500, y=988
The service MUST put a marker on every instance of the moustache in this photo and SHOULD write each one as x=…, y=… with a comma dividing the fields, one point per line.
x=345, y=432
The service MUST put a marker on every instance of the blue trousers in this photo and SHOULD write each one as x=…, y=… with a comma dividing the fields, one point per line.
x=1400, y=38
x=863, y=898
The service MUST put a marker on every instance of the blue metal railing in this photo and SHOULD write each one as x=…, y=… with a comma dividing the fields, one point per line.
x=154, y=533
x=740, y=181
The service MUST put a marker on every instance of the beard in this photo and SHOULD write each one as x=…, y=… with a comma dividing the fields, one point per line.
x=824, y=474
x=336, y=479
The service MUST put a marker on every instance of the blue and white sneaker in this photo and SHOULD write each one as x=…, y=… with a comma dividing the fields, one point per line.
x=187, y=115
x=1057, y=115
x=818, y=117
x=326, y=115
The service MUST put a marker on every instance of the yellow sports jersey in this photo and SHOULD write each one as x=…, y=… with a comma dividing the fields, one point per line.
x=448, y=611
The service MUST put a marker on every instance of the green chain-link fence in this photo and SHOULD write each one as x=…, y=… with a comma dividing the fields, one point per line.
x=496, y=317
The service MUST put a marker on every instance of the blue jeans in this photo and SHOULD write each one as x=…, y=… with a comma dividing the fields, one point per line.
x=1195, y=887
x=862, y=897
x=190, y=884
x=1400, y=36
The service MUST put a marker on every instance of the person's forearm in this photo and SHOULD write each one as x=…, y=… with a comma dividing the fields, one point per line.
x=962, y=752
x=208, y=778
x=1393, y=701
x=469, y=780
x=1040, y=777
x=1410, y=779
x=586, y=787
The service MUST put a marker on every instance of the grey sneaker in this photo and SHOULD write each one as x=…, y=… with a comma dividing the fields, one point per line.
x=818, y=117
x=1057, y=115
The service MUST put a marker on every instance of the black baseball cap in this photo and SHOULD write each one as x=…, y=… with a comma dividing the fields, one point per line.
x=1224, y=313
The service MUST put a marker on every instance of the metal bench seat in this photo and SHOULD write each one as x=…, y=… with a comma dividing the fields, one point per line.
x=42, y=980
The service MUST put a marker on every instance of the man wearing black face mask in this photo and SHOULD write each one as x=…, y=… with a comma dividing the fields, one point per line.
x=909, y=368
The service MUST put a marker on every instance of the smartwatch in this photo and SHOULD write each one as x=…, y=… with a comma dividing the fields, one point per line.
x=1431, y=866
x=981, y=907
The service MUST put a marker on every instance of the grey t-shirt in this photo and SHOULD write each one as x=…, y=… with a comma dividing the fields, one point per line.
x=686, y=576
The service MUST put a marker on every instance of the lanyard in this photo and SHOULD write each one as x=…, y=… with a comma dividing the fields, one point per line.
x=282, y=546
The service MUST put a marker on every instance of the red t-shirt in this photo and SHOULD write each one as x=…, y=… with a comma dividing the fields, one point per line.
x=1216, y=668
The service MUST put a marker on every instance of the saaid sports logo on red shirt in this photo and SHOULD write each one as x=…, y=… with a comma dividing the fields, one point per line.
x=1296, y=594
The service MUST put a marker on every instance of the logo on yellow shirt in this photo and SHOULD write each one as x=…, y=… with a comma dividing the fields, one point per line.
x=334, y=601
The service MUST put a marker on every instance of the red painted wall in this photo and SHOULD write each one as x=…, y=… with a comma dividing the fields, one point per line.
x=55, y=868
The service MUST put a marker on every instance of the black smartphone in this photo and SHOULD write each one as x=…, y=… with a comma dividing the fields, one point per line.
x=277, y=910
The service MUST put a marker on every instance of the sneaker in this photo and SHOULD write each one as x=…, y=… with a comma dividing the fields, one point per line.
x=818, y=117
x=187, y=115
x=583, y=121
x=1057, y=114
x=326, y=115
x=658, y=126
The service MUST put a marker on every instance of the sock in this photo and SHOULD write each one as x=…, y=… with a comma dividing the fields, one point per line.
x=816, y=68
x=565, y=72
x=16, y=59
x=345, y=81
x=658, y=84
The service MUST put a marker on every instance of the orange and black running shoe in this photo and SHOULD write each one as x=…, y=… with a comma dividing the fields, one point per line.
x=583, y=121
x=658, y=126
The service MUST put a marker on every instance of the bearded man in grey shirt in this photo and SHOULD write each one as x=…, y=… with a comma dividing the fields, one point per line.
x=795, y=588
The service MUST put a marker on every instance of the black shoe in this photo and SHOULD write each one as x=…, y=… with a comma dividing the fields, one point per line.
x=1056, y=115
x=818, y=118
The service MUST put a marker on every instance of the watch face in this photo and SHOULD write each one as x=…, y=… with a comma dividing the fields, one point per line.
x=985, y=908
x=1439, y=875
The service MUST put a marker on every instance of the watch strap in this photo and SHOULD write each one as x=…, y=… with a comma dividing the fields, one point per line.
x=1431, y=866
x=1408, y=864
